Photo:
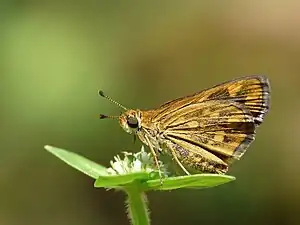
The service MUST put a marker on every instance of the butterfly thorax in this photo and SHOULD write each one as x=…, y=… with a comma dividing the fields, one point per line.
x=140, y=123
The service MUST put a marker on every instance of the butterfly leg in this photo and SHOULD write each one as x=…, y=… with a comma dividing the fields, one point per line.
x=155, y=158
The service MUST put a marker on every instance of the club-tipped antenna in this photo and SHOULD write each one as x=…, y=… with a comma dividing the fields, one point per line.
x=101, y=116
x=101, y=93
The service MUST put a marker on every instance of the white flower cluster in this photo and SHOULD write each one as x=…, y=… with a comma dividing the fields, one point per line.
x=134, y=162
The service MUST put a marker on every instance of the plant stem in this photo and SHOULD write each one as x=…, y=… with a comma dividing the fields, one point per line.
x=137, y=208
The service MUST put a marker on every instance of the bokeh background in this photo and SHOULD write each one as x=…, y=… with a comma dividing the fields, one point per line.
x=55, y=55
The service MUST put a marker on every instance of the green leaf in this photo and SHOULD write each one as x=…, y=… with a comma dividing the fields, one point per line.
x=146, y=180
x=190, y=181
x=120, y=180
x=78, y=162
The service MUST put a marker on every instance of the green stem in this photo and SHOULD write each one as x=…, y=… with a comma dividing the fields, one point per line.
x=137, y=208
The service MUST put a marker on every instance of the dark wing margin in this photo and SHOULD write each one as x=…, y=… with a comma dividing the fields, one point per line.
x=253, y=92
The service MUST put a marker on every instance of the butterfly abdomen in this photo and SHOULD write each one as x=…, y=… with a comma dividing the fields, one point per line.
x=195, y=163
x=198, y=162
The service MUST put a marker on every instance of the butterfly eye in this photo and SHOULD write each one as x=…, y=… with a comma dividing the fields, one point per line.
x=132, y=122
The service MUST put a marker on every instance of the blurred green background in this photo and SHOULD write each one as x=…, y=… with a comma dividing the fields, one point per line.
x=55, y=55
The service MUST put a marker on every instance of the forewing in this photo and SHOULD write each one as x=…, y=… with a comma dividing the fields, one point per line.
x=224, y=128
x=253, y=92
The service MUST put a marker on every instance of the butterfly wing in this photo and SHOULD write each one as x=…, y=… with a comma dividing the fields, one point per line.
x=207, y=130
x=253, y=92
x=220, y=127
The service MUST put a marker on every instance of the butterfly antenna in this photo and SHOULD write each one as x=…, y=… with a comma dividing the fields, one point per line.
x=101, y=93
x=101, y=116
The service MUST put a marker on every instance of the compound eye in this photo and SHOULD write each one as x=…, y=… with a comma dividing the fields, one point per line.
x=132, y=122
